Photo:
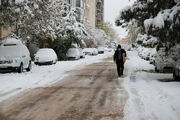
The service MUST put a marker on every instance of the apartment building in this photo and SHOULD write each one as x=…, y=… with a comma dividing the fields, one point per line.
x=93, y=11
x=99, y=13
x=90, y=12
x=78, y=4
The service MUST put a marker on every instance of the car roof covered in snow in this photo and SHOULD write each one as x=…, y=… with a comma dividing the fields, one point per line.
x=11, y=41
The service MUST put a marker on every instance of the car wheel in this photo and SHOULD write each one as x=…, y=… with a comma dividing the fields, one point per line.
x=55, y=62
x=20, y=69
x=29, y=67
x=51, y=62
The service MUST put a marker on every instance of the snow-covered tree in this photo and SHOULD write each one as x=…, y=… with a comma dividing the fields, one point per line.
x=97, y=36
x=133, y=31
x=52, y=23
x=159, y=18
x=110, y=31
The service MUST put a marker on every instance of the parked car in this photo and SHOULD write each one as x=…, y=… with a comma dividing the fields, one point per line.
x=45, y=56
x=100, y=50
x=176, y=71
x=108, y=49
x=82, y=55
x=14, y=56
x=90, y=51
x=165, y=62
x=73, y=54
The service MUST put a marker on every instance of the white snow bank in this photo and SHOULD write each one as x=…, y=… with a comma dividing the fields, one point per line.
x=40, y=76
x=151, y=97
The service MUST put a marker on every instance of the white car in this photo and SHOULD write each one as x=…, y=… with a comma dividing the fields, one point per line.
x=90, y=51
x=45, y=56
x=73, y=54
x=165, y=63
x=14, y=56
x=82, y=55
x=108, y=49
x=101, y=50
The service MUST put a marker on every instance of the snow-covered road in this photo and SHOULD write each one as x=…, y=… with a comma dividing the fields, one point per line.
x=152, y=96
x=13, y=83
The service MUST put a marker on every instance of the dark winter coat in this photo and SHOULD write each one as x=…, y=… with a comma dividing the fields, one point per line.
x=116, y=55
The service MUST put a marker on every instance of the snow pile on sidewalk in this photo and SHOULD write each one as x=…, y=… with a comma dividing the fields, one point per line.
x=152, y=96
x=40, y=76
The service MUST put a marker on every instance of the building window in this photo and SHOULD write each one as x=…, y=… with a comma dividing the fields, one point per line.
x=78, y=3
x=69, y=1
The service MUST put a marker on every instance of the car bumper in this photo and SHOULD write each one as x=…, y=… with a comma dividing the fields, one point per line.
x=100, y=52
x=72, y=58
x=165, y=68
x=6, y=69
x=44, y=63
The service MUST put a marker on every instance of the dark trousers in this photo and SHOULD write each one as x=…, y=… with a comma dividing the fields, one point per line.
x=120, y=67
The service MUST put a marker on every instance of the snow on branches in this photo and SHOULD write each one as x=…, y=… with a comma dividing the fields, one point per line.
x=159, y=18
x=50, y=19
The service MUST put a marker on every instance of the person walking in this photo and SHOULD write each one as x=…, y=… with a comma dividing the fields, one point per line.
x=119, y=58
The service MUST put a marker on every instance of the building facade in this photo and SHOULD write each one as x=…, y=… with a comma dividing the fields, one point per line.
x=78, y=4
x=92, y=12
x=99, y=13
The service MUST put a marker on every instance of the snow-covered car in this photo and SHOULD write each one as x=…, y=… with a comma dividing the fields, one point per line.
x=45, y=56
x=107, y=49
x=90, y=51
x=176, y=71
x=165, y=62
x=73, y=54
x=82, y=55
x=100, y=49
x=14, y=56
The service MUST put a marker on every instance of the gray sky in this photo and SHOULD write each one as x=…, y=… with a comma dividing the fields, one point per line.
x=111, y=11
